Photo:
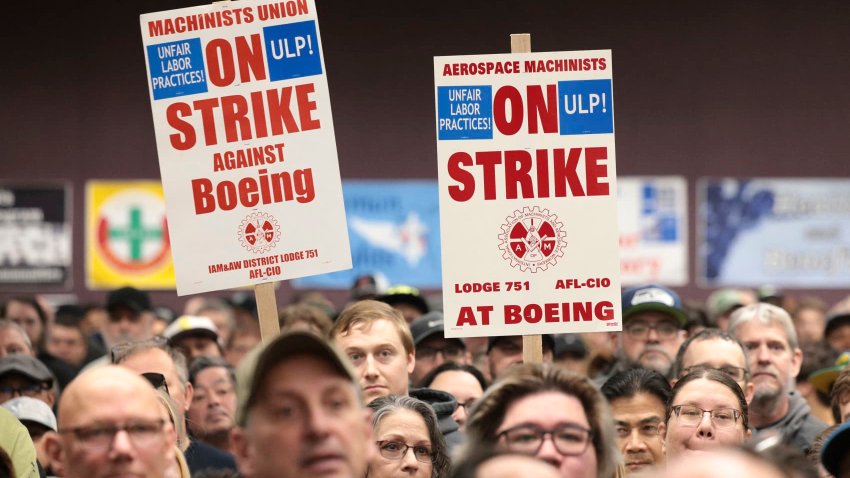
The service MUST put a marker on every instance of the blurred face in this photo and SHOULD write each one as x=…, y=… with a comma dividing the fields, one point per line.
x=240, y=345
x=67, y=343
x=194, y=346
x=844, y=410
x=14, y=385
x=409, y=312
x=515, y=466
x=839, y=338
x=399, y=430
x=639, y=421
x=435, y=351
x=692, y=431
x=307, y=422
x=12, y=342
x=126, y=325
x=651, y=339
x=464, y=387
x=376, y=351
x=720, y=354
x=26, y=316
x=213, y=405
x=810, y=325
x=95, y=451
x=548, y=411
x=506, y=352
x=222, y=320
x=773, y=363
x=158, y=360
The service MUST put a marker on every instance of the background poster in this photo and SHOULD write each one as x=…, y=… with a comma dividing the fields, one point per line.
x=653, y=214
x=127, y=240
x=35, y=235
x=782, y=232
x=394, y=230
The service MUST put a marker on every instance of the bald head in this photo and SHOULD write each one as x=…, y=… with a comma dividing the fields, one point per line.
x=111, y=423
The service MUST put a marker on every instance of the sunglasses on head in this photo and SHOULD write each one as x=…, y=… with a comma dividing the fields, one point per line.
x=157, y=380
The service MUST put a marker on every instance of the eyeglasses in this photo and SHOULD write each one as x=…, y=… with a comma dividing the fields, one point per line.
x=32, y=390
x=568, y=439
x=142, y=433
x=119, y=352
x=395, y=450
x=691, y=416
x=449, y=352
x=157, y=380
x=648, y=430
x=640, y=330
x=737, y=374
x=466, y=405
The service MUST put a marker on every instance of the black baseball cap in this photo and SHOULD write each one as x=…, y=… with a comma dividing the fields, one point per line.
x=131, y=297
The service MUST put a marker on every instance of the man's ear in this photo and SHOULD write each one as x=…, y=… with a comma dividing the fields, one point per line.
x=55, y=452
x=796, y=362
x=411, y=362
x=749, y=392
x=241, y=448
x=189, y=393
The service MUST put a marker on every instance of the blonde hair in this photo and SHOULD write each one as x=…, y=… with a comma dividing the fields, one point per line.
x=366, y=313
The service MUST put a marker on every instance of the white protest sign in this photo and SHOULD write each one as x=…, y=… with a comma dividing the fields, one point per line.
x=246, y=144
x=528, y=194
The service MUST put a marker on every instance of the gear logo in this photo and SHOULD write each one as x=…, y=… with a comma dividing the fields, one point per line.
x=259, y=232
x=532, y=239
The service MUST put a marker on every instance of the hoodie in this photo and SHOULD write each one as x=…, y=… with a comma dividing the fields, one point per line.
x=444, y=405
x=798, y=427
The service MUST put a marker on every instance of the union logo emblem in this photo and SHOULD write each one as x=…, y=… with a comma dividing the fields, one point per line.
x=532, y=239
x=259, y=232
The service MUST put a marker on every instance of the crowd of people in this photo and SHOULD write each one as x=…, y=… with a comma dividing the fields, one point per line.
x=750, y=383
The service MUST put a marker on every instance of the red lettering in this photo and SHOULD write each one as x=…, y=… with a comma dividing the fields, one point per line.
x=250, y=58
x=488, y=161
x=504, y=95
x=517, y=167
x=185, y=138
x=567, y=169
x=201, y=192
x=594, y=171
x=306, y=107
x=466, y=189
x=220, y=68
x=544, y=109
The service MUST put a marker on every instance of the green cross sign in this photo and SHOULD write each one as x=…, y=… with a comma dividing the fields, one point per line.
x=135, y=233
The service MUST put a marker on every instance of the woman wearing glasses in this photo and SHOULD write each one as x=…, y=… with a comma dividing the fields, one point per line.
x=549, y=413
x=707, y=409
x=408, y=439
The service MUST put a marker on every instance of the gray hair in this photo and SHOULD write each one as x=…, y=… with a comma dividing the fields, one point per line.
x=384, y=406
x=8, y=324
x=768, y=314
x=122, y=351
x=704, y=335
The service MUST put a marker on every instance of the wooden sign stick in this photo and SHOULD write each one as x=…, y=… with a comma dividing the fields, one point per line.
x=267, y=310
x=532, y=345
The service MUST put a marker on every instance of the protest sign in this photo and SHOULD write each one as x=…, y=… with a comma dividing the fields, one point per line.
x=246, y=144
x=528, y=196
x=35, y=235
x=786, y=232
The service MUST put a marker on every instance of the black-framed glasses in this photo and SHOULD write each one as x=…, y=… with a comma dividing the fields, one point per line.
x=395, y=450
x=466, y=405
x=691, y=416
x=737, y=374
x=640, y=330
x=30, y=390
x=118, y=352
x=569, y=439
x=449, y=352
x=142, y=433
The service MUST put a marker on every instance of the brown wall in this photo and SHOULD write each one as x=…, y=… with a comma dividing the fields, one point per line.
x=702, y=88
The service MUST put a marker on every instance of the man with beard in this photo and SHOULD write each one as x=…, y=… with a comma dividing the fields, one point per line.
x=653, y=318
x=768, y=335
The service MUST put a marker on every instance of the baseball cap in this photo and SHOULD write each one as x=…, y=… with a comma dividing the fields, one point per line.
x=405, y=294
x=259, y=362
x=569, y=345
x=824, y=378
x=186, y=325
x=27, y=366
x=131, y=297
x=653, y=297
x=723, y=300
x=548, y=341
x=426, y=326
x=838, y=314
x=32, y=410
x=835, y=448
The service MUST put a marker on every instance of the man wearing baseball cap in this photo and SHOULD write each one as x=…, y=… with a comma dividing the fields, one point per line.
x=432, y=347
x=26, y=376
x=39, y=419
x=195, y=336
x=653, y=321
x=130, y=316
x=506, y=351
x=300, y=412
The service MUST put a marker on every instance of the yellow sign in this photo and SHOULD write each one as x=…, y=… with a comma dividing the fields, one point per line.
x=127, y=236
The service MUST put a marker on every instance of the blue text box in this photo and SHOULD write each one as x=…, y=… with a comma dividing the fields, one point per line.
x=465, y=112
x=177, y=69
x=292, y=50
x=585, y=107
